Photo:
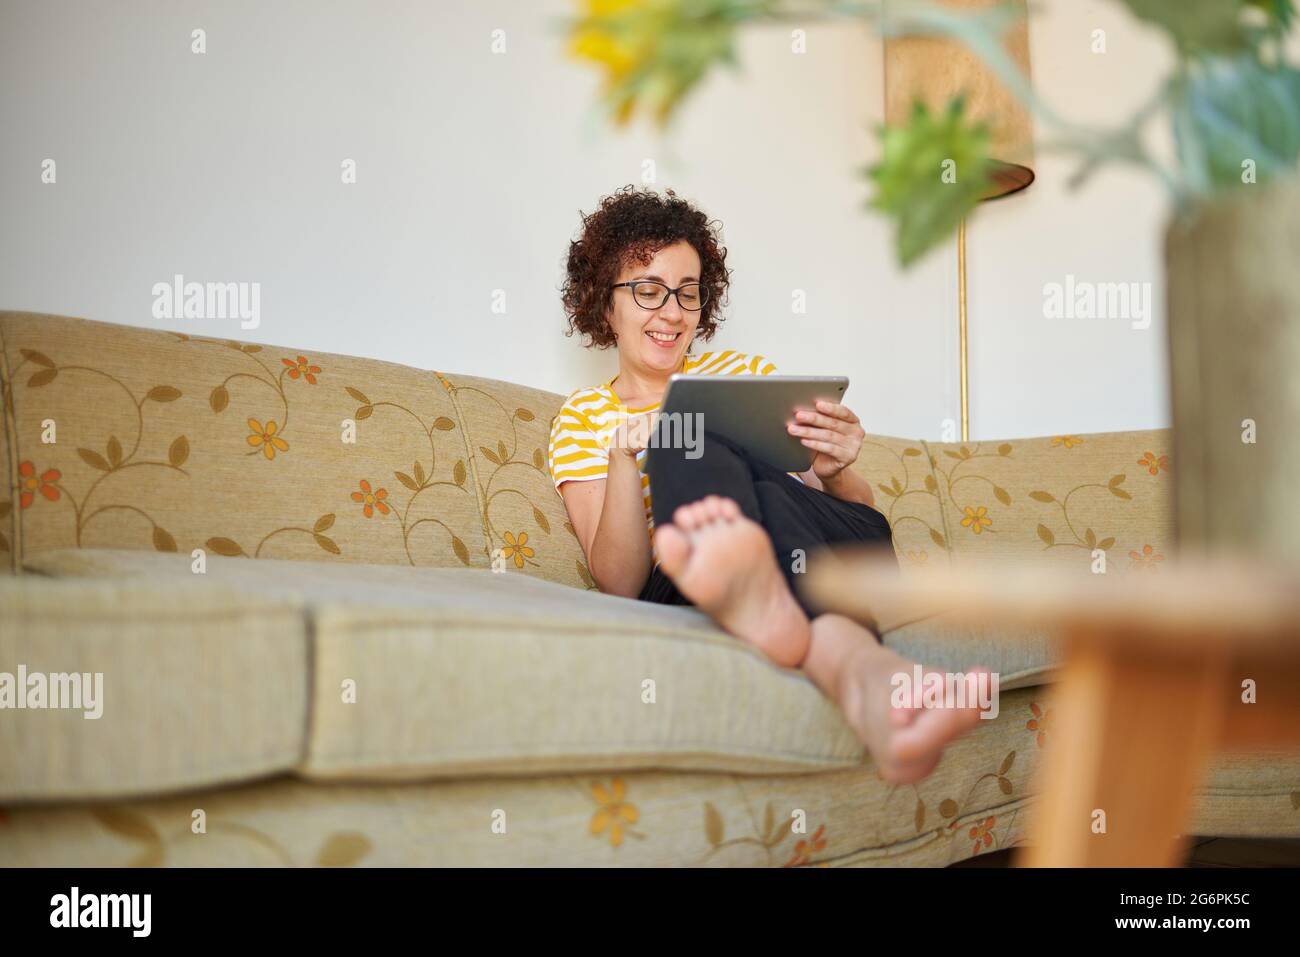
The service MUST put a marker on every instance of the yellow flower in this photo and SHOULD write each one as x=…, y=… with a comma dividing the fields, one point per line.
x=266, y=438
x=517, y=549
x=613, y=812
x=1069, y=441
x=976, y=519
x=618, y=55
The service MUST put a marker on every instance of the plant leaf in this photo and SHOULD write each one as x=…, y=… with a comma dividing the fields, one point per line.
x=1046, y=535
x=540, y=519
x=358, y=395
x=326, y=543
x=713, y=826
x=343, y=850
x=524, y=415
x=179, y=451
x=40, y=358
x=443, y=424
x=126, y=824
x=323, y=523
x=1042, y=496
x=224, y=546
x=1195, y=26
x=458, y=473
x=44, y=377
x=933, y=172
x=489, y=455
x=459, y=548
x=219, y=398
x=114, y=451
x=407, y=481
x=163, y=393
x=94, y=460
x=1236, y=109
x=162, y=541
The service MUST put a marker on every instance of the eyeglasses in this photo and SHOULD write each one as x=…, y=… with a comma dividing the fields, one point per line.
x=649, y=294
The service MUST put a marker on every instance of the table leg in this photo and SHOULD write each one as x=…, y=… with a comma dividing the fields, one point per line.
x=1132, y=734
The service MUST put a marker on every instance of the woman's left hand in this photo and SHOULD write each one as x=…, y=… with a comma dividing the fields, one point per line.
x=833, y=431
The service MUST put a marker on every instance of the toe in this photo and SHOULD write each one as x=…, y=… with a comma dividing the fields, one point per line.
x=729, y=508
x=674, y=549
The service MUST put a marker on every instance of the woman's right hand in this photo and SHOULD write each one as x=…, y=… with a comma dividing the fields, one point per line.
x=632, y=434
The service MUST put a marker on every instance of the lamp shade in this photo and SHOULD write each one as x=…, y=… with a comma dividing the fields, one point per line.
x=935, y=69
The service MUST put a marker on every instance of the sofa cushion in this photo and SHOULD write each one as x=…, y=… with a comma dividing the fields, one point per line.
x=153, y=450
x=1058, y=499
x=460, y=671
x=1021, y=656
x=202, y=684
x=507, y=428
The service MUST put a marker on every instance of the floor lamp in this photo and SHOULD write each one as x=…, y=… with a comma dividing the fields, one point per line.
x=935, y=70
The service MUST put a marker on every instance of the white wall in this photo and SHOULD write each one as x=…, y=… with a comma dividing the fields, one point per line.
x=472, y=168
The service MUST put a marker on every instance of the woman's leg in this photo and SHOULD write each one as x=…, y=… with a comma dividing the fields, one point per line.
x=723, y=562
x=798, y=519
x=711, y=517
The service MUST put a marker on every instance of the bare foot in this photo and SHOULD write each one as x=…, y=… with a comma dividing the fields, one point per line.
x=724, y=564
x=906, y=743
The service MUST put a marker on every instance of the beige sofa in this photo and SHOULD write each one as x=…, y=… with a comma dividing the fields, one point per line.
x=341, y=618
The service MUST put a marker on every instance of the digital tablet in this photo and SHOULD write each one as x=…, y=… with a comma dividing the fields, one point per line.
x=752, y=410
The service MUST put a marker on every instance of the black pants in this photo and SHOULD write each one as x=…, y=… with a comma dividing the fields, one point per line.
x=794, y=515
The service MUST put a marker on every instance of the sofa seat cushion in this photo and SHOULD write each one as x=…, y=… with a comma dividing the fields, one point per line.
x=202, y=684
x=420, y=672
x=1021, y=656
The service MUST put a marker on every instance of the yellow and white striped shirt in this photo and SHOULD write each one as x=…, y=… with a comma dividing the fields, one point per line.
x=585, y=424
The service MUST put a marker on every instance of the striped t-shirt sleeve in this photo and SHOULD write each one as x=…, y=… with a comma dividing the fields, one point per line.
x=576, y=453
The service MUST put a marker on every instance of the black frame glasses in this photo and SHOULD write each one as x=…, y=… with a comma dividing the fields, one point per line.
x=701, y=289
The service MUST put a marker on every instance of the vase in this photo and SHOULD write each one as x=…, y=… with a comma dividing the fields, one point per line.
x=1233, y=294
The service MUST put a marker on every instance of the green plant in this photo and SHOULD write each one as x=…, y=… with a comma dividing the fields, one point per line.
x=1232, y=97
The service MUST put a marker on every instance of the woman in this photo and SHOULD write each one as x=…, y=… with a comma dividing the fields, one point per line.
x=721, y=530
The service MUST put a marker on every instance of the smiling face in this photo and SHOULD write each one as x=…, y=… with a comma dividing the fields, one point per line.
x=654, y=341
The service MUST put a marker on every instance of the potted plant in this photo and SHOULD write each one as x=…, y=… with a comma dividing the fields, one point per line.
x=1232, y=100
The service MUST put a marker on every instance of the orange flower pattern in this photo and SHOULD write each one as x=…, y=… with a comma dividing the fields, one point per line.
x=805, y=849
x=1147, y=559
x=1038, y=723
x=30, y=484
x=1153, y=463
x=371, y=500
x=302, y=368
x=982, y=833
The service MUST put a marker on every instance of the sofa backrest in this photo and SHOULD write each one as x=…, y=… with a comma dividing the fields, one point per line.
x=160, y=441
x=1057, y=499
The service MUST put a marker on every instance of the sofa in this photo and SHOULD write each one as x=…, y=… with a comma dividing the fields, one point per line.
x=341, y=618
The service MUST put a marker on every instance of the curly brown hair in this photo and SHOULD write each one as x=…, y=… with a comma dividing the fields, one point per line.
x=630, y=224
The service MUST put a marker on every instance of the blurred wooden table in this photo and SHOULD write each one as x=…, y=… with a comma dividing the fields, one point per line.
x=1157, y=666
